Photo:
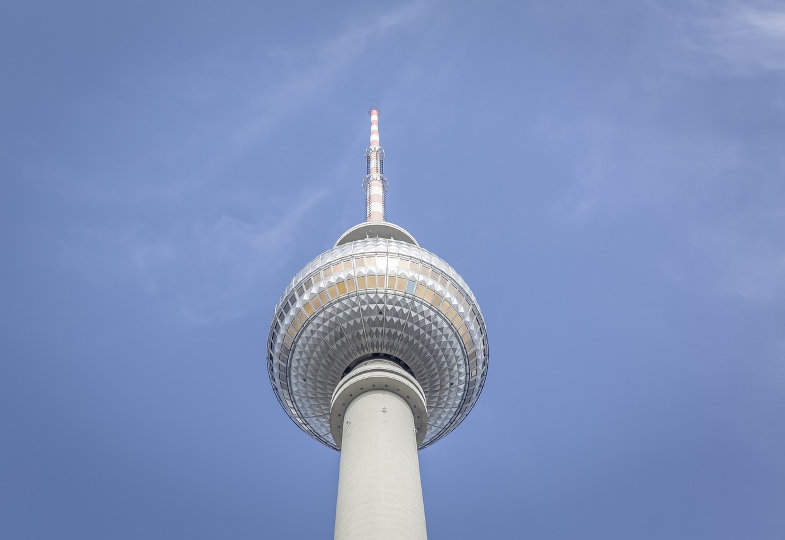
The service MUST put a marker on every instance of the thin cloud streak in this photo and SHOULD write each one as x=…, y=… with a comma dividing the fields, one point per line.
x=747, y=255
x=331, y=58
x=291, y=81
x=208, y=271
x=205, y=271
x=595, y=174
x=740, y=37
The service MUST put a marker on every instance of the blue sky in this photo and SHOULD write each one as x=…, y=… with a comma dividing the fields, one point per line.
x=609, y=177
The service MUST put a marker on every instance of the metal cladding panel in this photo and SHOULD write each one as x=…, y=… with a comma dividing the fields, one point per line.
x=377, y=296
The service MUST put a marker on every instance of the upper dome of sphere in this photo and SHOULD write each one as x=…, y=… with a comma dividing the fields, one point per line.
x=377, y=296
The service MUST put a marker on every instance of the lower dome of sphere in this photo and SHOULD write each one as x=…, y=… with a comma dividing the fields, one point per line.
x=377, y=296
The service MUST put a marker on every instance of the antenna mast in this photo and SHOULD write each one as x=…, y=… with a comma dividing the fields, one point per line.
x=375, y=184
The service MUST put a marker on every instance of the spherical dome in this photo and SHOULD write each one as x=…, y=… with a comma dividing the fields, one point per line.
x=377, y=297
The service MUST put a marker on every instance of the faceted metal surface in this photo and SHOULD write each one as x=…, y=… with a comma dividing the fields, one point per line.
x=377, y=296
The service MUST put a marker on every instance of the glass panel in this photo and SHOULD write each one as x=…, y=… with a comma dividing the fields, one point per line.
x=428, y=295
x=342, y=287
x=332, y=290
x=371, y=280
x=400, y=284
x=350, y=284
x=361, y=282
x=323, y=296
x=308, y=308
x=420, y=290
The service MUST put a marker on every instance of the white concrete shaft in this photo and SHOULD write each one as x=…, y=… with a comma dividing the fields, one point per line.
x=379, y=489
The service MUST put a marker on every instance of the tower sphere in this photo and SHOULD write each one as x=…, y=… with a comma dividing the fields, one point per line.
x=377, y=294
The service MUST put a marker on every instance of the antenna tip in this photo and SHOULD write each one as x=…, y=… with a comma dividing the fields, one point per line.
x=373, y=110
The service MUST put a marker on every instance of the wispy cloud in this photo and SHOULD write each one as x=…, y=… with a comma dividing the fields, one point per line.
x=206, y=122
x=733, y=242
x=205, y=271
x=746, y=255
x=593, y=174
x=209, y=270
x=320, y=65
x=739, y=36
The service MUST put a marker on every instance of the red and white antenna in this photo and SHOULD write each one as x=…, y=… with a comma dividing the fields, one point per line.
x=375, y=184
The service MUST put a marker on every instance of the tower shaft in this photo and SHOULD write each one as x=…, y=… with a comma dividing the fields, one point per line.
x=379, y=490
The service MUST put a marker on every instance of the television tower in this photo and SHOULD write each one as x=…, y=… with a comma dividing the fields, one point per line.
x=377, y=348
